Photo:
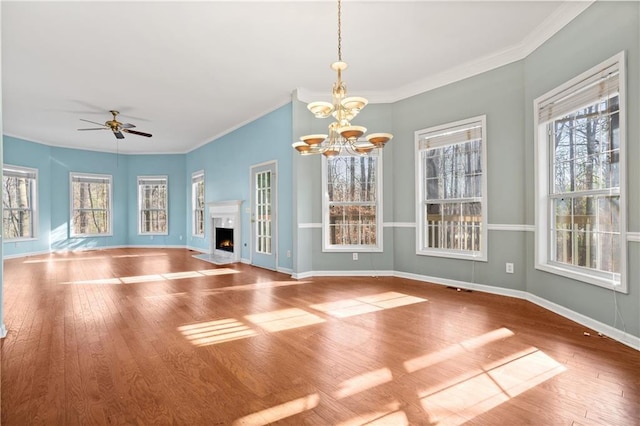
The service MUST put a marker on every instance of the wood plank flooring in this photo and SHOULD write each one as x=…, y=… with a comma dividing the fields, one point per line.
x=154, y=337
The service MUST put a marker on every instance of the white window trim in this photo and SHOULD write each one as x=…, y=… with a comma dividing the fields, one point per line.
x=151, y=177
x=34, y=204
x=195, y=175
x=542, y=160
x=333, y=248
x=72, y=232
x=419, y=185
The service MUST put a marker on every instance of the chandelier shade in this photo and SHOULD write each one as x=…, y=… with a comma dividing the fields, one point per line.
x=343, y=136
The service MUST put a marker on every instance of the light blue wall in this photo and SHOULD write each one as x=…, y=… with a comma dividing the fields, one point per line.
x=54, y=166
x=65, y=161
x=226, y=163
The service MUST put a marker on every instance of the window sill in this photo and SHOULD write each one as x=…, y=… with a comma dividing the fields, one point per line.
x=584, y=277
x=352, y=249
x=453, y=255
x=20, y=240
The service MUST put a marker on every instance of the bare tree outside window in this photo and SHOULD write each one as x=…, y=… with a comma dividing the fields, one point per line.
x=585, y=186
x=451, y=178
x=197, y=194
x=352, y=194
x=18, y=202
x=91, y=204
x=580, y=177
x=153, y=201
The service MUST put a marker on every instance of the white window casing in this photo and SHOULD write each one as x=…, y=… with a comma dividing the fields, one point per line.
x=153, y=205
x=197, y=204
x=580, y=183
x=91, y=205
x=20, y=203
x=352, y=203
x=451, y=190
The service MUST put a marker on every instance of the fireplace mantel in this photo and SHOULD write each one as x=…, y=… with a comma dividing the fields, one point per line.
x=224, y=207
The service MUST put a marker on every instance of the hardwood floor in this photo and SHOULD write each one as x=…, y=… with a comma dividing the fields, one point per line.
x=155, y=337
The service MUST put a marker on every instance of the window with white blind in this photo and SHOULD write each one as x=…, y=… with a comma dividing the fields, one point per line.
x=451, y=187
x=352, y=202
x=19, y=195
x=91, y=208
x=580, y=177
x=197, y=204
x=152, y=205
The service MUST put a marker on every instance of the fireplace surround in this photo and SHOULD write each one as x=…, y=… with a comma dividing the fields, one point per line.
x=225, y=242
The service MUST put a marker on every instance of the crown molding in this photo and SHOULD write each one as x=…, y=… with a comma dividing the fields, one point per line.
x=564, y=14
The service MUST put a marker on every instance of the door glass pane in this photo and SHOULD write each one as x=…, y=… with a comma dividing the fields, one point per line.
x=263, y=212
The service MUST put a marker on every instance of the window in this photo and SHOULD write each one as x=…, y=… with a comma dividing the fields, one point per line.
x=352, y=202
x=197, y=203
x=451, y=190
x=152, y=205
x=19, y=203
x=90, y=204
x=580, y=215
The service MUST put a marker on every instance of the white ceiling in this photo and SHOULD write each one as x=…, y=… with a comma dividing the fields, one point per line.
x=189, y=72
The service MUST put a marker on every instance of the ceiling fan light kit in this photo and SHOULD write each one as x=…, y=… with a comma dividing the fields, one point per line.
x=343, y=136
x=116, y=127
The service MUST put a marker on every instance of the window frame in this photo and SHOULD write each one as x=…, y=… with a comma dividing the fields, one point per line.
x=340, y=248
x=140, y=186
x=544, y=196
x=109, y=178
x=421, y=199
x=33, y=200
x=197, y=178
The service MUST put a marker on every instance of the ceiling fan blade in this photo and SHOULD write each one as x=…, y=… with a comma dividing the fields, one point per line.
x=135, y=132
x=93, y=122
x=95, y=128
x=118, y=135
x=128, y=126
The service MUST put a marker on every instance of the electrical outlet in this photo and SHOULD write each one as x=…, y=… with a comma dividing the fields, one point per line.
x=355, y=256
x=288, y=253
x=509, y=268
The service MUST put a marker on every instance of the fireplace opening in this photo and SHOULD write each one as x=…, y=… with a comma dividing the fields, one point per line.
x=224, y=239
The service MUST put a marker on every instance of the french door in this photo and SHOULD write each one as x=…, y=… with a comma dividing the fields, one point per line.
x=263, y=215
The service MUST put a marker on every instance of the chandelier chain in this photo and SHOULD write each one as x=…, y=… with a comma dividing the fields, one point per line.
x=339, y=31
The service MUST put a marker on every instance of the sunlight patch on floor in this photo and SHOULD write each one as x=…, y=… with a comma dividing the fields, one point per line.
x=388, y=415
x=279, y=412
x=213, y=332
x=424, y=361
x=284, y=319
x=256, y=286
x=471, y=397
x=156, y=277
x=363, y=382
x=362, y=305
x=79, y=259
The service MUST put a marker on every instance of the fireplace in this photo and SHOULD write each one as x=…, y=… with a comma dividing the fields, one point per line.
x=224, y=239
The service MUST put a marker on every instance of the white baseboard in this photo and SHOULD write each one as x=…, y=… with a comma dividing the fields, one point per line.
x=3, y=331
x=343, y=274
x=288, y=271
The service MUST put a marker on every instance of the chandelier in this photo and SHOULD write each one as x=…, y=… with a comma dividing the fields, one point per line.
x=342, y=137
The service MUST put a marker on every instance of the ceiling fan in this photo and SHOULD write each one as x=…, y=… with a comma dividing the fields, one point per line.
x=116, y=127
